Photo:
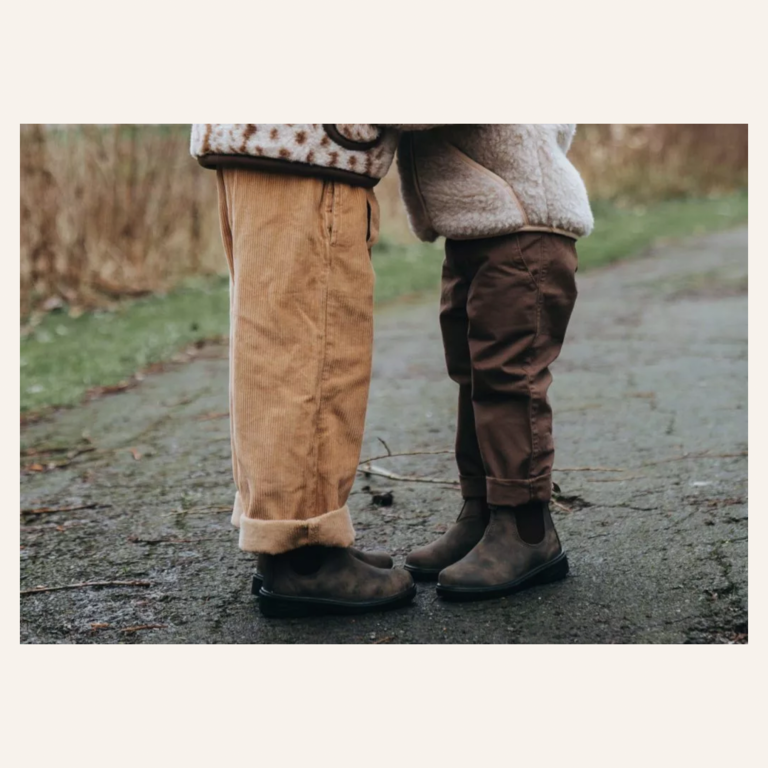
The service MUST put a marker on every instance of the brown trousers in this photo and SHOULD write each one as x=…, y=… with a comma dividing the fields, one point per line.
x=506, y=302
x=301, y=337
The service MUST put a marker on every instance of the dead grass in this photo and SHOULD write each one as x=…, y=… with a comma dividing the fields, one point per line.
x=630, y=164
x=122, y=210
x=111, y=211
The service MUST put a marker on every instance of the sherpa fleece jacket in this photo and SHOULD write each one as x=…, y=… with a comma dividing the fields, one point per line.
x=473, y=181
x=357, y=153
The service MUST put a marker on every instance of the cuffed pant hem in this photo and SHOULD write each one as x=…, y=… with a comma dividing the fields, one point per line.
x=472, y=487
x=512, y=493
x=272, y=537
x=237, y=511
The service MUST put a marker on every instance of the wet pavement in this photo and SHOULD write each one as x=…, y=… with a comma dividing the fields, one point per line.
x=650, y=402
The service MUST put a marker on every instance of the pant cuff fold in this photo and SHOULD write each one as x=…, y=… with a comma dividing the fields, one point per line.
x=272, y=537
x=472, y=486
x=237, y=510
x=512, y=493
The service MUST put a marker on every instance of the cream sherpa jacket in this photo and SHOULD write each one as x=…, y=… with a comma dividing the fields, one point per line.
x=472, y=181
x=357, y=153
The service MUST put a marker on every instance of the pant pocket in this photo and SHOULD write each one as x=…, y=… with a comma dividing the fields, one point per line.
x=372, y=236
x=559, y=289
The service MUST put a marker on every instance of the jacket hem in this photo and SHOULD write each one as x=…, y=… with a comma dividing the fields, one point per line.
x=527, y=228
x=273, y=165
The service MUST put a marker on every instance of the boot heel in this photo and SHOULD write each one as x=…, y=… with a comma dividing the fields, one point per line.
x=255, y=585
x=275, y=607
x=557, y=570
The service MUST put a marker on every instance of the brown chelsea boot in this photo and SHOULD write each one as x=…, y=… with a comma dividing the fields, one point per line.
x=314, y=581
x=426, y=563
x=502, y=562
x=377, y=558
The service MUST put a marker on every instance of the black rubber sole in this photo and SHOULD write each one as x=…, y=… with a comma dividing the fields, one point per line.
x=281, y=607
x=422, y=574
x=554, y=570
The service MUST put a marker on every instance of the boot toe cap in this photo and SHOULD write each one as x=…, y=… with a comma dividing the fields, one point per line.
x=417, y=559
x=401, y=580
x=461, y=577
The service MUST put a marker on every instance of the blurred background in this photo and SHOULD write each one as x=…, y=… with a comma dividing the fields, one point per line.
x=122, y=266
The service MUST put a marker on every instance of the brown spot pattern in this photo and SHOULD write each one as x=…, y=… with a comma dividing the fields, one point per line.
x=207, y=139
x=247, y=133
x=325, y=141
x=273, y=134
x=352, y=161
x=311, y=156
x=333, y=158
x=285, y=154
x=259, y=150
x=301, y=137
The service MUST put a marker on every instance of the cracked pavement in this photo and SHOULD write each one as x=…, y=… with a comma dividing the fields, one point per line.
x=652, y=382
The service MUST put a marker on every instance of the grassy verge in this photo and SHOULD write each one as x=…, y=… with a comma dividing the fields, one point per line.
x=62, y=357
x=621, y=232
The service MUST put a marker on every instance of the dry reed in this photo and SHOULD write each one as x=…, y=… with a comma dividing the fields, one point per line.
x=122, y=210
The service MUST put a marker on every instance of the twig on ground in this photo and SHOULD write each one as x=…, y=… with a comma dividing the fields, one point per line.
x=44, y=510
x=84, y=584
x=622, y=479
x=44, y=451
x=407, y=453
x=141, y=627
x=58, y=464
x=137, y=540
x=591, y=469
x=209, y=416
x=365, y=467
x=369, y=469
x=700, y=455
x=201, y=510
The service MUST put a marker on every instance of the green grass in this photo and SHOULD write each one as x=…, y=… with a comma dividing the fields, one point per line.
x=62, y=357
x=622, y=232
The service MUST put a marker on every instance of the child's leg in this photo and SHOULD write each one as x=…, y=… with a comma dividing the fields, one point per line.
x=518, y=306
x=226, y=237
x=454, y=325
x=522, y=296
x=302, y=323
x=427, y=562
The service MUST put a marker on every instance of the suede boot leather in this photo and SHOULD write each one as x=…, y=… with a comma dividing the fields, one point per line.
x=340, y=583
x=502, y=563
x=426, y=563
x=377, y=559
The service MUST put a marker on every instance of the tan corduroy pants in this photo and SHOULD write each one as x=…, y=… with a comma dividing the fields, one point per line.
x=300, y=352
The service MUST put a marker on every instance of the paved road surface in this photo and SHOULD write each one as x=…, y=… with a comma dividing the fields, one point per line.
x=652, y=381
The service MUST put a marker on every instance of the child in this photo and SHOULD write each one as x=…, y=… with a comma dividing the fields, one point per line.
x=298, y=219
x=511, y=207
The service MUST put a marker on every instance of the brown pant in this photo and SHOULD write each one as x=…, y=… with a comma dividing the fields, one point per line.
x=506, y=302
x=300, y=352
